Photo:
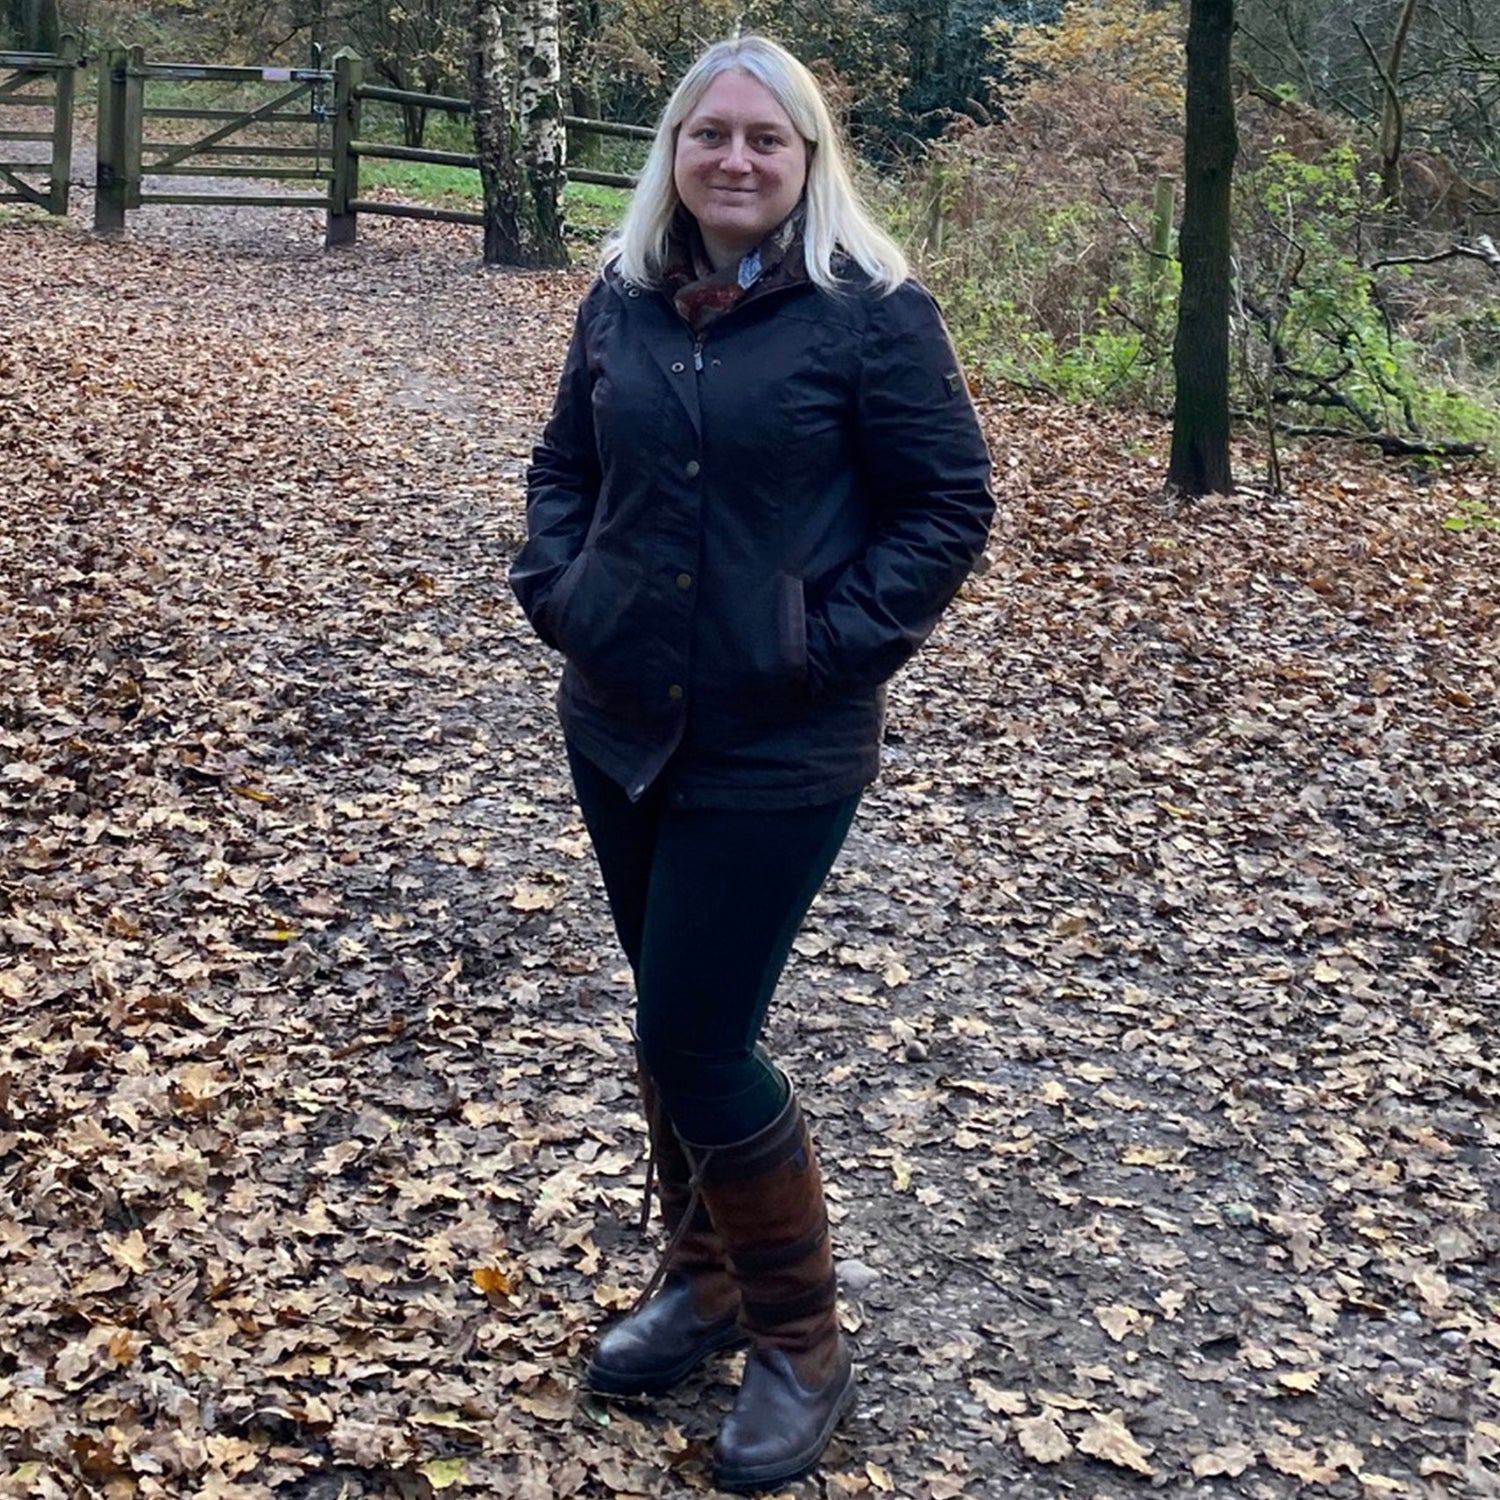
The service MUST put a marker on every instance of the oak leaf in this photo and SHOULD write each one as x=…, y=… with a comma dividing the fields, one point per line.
x=1042, y=1438
x=1232, y=1459
x=1108, y=1438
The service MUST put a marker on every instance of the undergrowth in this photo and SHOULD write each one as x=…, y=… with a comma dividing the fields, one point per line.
x=1036, y=235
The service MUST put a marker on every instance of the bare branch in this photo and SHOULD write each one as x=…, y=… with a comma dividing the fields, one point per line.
x=1483, y=248
x=1388, y=442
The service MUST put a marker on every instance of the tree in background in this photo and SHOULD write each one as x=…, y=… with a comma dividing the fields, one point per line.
x=1135, y=43
x=543, y=138
x=518, y=132
x=1444, y=56
x=417, y=45
x=30, y=25
x=490, y=87
x=1393, y=106
x=898, y=70
x=1199, y=463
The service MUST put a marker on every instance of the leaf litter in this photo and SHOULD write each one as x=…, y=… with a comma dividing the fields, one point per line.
x=1147, y=1020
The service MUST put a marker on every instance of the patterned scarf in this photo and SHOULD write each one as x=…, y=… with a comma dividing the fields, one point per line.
x=703, y=295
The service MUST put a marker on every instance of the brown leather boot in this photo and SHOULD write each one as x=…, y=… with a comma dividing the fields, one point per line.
x=696, y=1311
x=765, y=1196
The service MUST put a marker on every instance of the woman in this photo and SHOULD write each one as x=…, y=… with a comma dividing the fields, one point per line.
x=761, y=484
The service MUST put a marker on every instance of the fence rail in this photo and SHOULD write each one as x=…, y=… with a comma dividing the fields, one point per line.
x=351, y=93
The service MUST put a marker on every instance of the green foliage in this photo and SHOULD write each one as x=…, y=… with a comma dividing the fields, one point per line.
x=1036, y=236
x=1041, y=281
x=1317, y=333
x=1473, y=515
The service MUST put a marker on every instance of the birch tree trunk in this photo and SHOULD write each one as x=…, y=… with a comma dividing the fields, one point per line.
x=490, y=85
x=1199, y=464
x=544, y=141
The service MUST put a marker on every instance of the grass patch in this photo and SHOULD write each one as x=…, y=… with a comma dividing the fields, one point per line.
x=423, y=182
x=591, y=211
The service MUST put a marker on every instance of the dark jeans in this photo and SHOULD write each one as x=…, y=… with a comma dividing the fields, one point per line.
x=706, y=904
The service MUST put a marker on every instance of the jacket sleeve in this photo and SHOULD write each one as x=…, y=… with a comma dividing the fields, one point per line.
x=925, y=472
x=562, y=486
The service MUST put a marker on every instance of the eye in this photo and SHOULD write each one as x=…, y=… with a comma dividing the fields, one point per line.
x=707, y=134
x=769, y=142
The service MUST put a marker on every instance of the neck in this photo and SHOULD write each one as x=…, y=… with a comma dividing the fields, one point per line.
x=723, y=253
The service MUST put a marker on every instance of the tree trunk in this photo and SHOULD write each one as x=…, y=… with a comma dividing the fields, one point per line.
x=544, y=141
x=413, y=123
x=32, y=25
x=505, y=240
x=587, y=149
x=1392, y=113
x=581, y=79
x=1199, y=463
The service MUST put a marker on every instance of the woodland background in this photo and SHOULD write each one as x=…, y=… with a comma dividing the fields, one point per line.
x=1017, y=147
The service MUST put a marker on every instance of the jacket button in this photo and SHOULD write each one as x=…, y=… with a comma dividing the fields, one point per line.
x=684, y=580
x=678, y=368
x=691, y=468
x=675, y=693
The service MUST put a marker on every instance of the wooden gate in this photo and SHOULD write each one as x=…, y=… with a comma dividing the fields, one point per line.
x=22, y=74
x=298, y=109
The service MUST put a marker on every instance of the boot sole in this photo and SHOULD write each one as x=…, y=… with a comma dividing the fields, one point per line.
x=770, y=1476
x=606, y=1382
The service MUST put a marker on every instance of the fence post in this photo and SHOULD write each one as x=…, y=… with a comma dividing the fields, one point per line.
x=135, y=124
x=1161, y=226
x=343, y=222
x=62, y=125
x=109, y=191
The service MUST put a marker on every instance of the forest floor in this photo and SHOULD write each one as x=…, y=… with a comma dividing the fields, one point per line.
x=1147, y=1022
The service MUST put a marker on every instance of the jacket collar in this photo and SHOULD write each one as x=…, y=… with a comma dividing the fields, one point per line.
x=670, y=339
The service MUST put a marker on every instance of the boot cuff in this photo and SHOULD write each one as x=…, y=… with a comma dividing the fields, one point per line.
x=784, y=1140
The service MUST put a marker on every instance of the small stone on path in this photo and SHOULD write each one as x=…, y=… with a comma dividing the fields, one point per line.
x=855, y=1277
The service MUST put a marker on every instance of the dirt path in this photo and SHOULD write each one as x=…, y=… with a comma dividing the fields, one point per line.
x=1147, y=1021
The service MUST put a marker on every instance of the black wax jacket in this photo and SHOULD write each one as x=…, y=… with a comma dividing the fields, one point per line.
x=735, y=541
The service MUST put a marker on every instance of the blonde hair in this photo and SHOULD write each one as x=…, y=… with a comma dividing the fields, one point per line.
x=836, y=219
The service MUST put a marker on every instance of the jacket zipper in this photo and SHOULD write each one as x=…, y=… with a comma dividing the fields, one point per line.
x=698, y=340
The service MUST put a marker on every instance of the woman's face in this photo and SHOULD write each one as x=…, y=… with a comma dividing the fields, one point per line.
x=740, y=165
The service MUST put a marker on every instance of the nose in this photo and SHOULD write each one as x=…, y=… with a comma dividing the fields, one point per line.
x=737, y=154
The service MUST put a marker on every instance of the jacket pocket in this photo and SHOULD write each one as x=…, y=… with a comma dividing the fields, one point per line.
x=555, y=607
x=792, y=629
x=595, y=615
x=770, y=682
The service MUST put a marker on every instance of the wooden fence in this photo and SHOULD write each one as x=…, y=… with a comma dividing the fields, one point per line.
x=350, y=91
x=319, y=113
x=56, y=75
